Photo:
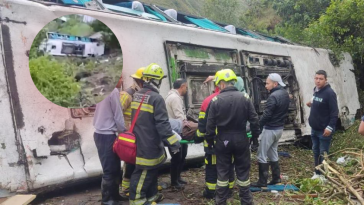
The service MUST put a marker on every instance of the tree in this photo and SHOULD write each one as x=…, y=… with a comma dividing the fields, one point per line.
x=297, y=15
x=75, y=26
x=108, y=36
x=341, y=29
x=34, y=52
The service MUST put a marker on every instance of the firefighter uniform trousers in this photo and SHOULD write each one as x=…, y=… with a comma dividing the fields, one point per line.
x=128, y=171
x=143, y=186
x=211, y=175
x=228, y=145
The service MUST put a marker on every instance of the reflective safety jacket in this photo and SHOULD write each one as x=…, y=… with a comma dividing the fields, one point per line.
x=152, y=129
x=229, y=112
x=126, y=97
x=202, y=121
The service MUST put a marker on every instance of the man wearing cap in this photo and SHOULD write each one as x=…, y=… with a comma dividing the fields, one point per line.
x=272, y=124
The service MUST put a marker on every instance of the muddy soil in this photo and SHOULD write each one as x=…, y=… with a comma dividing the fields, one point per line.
x=298, y=165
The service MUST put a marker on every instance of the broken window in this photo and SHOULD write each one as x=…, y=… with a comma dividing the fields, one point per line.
x=257, y=67
x=195, y=63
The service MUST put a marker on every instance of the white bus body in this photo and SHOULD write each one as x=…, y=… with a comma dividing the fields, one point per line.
x=34, y=152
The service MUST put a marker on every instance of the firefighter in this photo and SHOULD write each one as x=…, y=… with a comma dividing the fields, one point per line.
x=228, y=114
x=210, y=157
x=152, y=131
x=126, y=98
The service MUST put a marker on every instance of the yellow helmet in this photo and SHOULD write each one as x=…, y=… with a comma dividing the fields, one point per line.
x=216, y=74
x=153, y=71
x=225, y=75
x=138, y=74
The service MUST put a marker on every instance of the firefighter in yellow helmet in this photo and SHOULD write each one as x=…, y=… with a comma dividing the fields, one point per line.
x=126, y=97
x=153, y=131
x=228, y=113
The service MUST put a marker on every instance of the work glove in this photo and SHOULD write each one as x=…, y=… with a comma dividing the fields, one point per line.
x=254, y=144
x=211, y=143
x=175, y=151
x=198, y=140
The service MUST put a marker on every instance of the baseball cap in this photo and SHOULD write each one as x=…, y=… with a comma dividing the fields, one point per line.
x=276, y=78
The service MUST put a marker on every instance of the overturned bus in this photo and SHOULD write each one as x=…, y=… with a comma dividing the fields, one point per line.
x=43, y=145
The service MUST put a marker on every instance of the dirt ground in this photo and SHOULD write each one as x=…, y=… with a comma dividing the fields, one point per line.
x=299, y=165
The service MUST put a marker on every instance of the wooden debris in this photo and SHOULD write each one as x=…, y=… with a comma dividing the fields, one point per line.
x=19, y=200
x=346, y=185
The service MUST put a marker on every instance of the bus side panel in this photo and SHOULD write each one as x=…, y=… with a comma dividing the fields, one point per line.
x=13, y=174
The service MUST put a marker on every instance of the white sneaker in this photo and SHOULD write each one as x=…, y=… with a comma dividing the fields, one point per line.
x=322, y=178
x=315, y=176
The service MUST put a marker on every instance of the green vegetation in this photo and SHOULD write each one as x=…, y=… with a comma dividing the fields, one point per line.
x=49, y=77
x=55, y=77
x=337, y=25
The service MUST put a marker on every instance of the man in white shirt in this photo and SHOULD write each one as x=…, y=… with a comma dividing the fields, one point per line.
x=176, y=110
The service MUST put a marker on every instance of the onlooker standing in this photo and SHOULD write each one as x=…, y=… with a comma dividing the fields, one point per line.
x=323, y=117
x=361, y=127
x=176, y=110
x=108, y=122
x=272, y=124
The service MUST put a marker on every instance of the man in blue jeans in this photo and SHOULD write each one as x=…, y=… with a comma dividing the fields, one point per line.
x=323, y=118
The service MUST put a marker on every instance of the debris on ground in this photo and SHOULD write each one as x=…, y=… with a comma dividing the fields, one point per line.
x=19, y=199
x=346, y=178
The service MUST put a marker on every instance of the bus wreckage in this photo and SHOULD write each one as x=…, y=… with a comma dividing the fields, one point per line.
x=43, y=145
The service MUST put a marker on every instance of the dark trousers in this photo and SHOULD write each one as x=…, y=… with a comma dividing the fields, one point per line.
x=111, y=166
x=211, y=174
x=128, y=171
x=178, y=161
x=143, y=186
x=229, y=145
x=320, y=145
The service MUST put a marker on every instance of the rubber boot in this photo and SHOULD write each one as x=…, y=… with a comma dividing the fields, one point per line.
x=276, y=173
x=245, y=195
x=230, y=193
x=107, y=192
x=180, y=180
x=174, y=179
x=263, y=176
x=208, y=194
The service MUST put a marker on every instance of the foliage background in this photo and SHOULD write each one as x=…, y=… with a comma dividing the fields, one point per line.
x=55, y=76
x=337, y=25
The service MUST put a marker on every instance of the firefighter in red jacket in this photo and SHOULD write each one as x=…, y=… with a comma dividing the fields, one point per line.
x=153, y=131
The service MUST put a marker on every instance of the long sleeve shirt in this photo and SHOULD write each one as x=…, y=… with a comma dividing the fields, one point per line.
x=324, y=109
x=175, y=106
x=108, y=118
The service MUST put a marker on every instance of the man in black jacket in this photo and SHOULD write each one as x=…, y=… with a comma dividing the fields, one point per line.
x=272, y=122
x=228, y=113
x=323, y=117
